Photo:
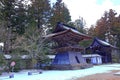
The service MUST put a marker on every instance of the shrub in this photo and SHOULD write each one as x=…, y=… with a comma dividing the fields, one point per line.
x=17, y=65
x=2, y=63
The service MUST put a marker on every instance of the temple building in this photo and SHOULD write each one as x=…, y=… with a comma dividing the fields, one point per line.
x=68, y=51
x=101, y=48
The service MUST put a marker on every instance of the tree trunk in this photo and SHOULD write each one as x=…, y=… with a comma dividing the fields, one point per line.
x=7, y=44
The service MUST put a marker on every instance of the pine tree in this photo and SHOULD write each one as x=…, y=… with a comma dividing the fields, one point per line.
x=40, y=12
x=80, y=24
x=32, y=41
x=13, y=17
x=60, y=13
x=7, y=11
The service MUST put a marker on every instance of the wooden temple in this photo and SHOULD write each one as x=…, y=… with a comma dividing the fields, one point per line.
x=101, y=48
x=68, y=51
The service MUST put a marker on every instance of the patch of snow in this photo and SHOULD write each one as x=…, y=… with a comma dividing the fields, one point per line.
x=8, y=56
x=73, y=30
x=51, y=56
x=62, y=74
x=91, y=55
x=104, y=43
x=1, y=44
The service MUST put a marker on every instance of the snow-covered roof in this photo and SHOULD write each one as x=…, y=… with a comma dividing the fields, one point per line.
x=7, y=56
x=65, y=29
x=22, y=56
x=91, y=55
x=25, y=56
x=104, y=43
x=87, y=55
x=78, y=37
x=51, y=56
x=97, y=42
x=1, y=44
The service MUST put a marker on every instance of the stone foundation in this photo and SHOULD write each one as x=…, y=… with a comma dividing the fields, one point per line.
x=61, y=67
x=70, y=67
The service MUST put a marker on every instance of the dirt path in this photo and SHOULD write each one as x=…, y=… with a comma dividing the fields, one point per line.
x=102, y=76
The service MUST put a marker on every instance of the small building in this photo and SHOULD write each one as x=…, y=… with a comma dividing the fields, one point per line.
x=93, y=58
x=68, y=52
x=101, y=48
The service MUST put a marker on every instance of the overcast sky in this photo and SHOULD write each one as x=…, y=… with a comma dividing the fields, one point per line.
x=90, y=10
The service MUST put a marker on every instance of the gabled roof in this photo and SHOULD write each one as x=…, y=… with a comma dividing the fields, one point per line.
x=103, y=42
x=62, y=29
x=68, y=31
x=97, y=42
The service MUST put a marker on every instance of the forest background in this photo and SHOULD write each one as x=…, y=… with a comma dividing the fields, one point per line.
x=24, y=23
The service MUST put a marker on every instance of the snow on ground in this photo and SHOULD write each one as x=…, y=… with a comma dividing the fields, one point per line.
x=61, y=75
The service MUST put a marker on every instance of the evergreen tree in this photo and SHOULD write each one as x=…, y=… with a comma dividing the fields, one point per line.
x=14, y=20
x=80, y=24
x=20, y=19
x=32, y=41
x=7, y=12
x=60, y=13
x=40, y=12
x=14, y=14
x=108, y=27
